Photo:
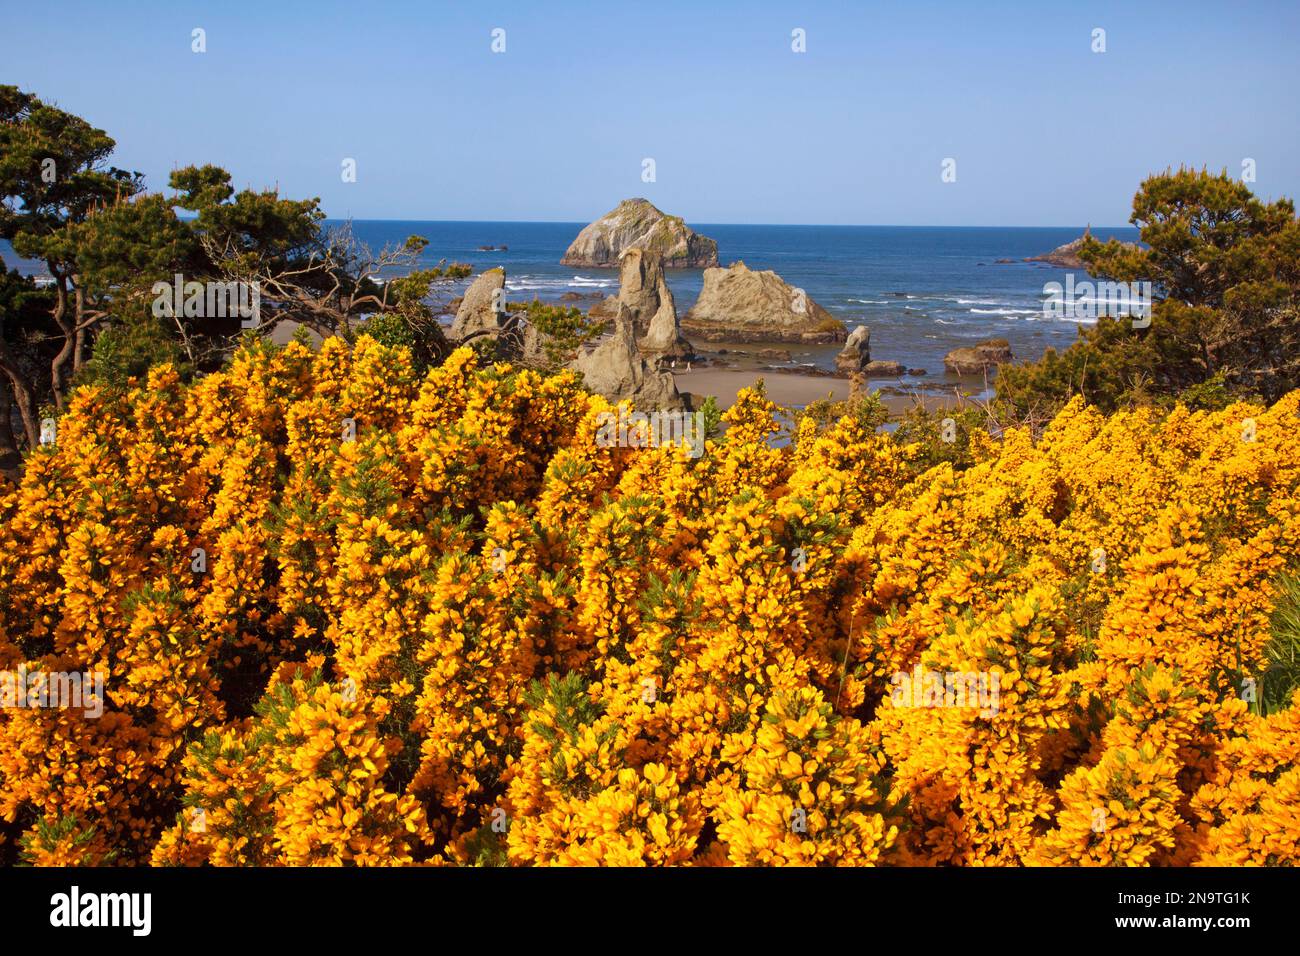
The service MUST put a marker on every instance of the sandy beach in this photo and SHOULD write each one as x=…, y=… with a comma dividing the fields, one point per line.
x=792, y=389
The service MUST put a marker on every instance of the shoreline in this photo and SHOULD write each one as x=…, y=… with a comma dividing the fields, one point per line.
x=795, y=390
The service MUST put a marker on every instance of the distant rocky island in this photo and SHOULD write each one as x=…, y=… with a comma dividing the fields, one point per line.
x=1067, y=256
x=637, y=224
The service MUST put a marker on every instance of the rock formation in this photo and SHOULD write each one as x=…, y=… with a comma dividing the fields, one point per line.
x=1067, y=256
x=644, y=296
x=877, y=369
x=617, y=370
x=637, y=224
x=478, y=310
x=740, y=305
x=614, y=368
x=976, y=359
x=856, y=352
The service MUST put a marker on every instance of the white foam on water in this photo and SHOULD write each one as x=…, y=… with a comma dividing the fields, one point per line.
x=529, y=283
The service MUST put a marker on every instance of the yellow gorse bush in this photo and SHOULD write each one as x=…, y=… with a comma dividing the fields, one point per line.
x=349, y=616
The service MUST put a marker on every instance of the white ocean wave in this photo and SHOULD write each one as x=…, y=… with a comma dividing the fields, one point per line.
x=528, y=283
x=1077, y=320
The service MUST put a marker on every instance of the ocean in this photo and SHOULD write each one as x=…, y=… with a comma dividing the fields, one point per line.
x=922, y=290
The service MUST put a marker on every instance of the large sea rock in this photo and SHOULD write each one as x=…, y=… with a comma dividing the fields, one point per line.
x=637, y=224
x=738, y=304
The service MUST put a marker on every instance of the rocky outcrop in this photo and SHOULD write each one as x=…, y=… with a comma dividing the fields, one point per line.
x=645, y=298
x=606, y=308
x=878, y=369
x=642, y=290
x=977, y=359
x=616, y=369
x=482, y=306
x=1067, y=256
x=740, y=305
x=856, y=352
x=483, y=313
x=637, y=224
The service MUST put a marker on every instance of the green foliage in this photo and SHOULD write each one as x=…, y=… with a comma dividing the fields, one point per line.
x=67, y=831
x=127, y=350
x=122, y=249
x=866, y=407
x=712, y=418
x=24, y=332
x=1206, y=235
x=1226, y=269
x=486, y=847
x=54, y=164
x=1282, y=676
x=564, y=330
x=1212, y=395
x=257, y=230
x=412, y=330
x=928, y=429
x=1109, y=365
x=388, y=329
x=573, y=706
x=54, y=177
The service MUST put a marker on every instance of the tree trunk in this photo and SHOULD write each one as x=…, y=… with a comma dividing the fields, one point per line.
x=21, y=396
x=9, y=457
x=78, y=351
x=69, y=334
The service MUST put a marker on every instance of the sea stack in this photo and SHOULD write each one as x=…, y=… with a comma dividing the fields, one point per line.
x=643, y=294
x=637, y=224
x=738, y=304
x=616, y=369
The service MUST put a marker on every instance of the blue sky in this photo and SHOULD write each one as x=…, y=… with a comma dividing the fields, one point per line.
x=741, y=128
